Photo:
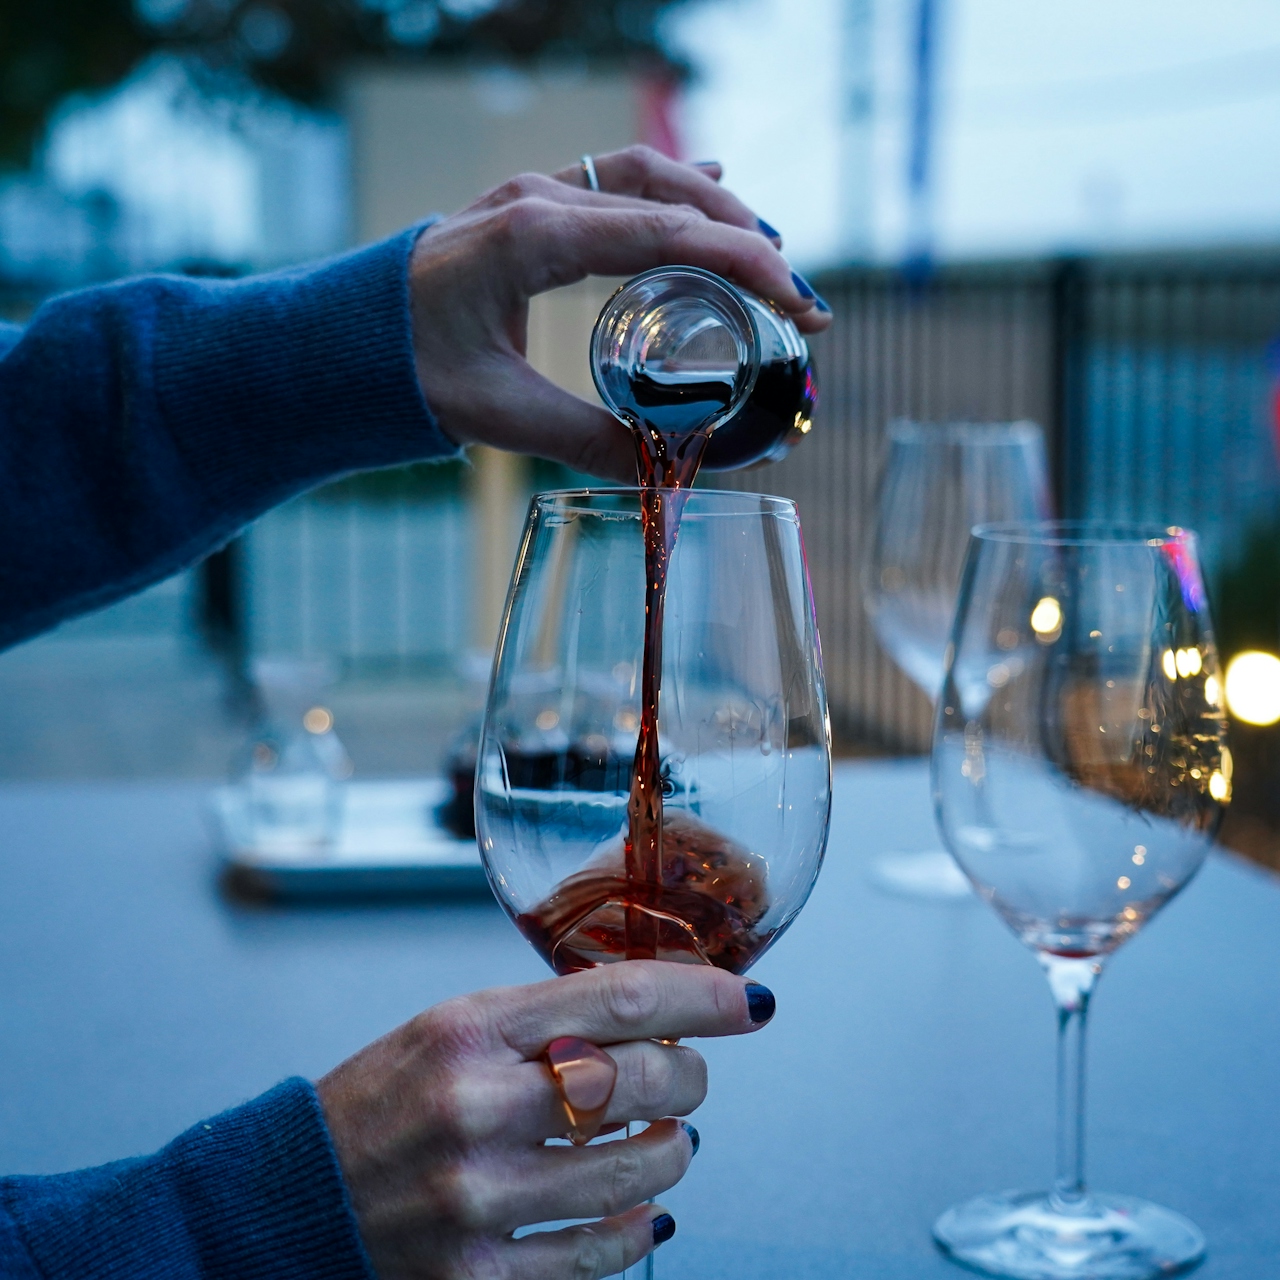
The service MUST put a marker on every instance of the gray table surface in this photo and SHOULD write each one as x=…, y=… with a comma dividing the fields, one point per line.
x=909, y=1065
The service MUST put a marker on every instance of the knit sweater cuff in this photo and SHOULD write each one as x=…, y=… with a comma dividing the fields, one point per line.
x=251, y=1194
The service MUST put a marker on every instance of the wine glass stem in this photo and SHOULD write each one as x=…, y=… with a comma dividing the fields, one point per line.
x=1071, y=980
x=642, y=1270
x=1068, y=1187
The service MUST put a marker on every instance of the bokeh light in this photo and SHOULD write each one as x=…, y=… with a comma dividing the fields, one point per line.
x=1046, y=618
x=318, y=720
x=1253, y=687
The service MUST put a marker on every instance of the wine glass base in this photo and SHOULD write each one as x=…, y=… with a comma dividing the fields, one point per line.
x=1021, y=1234
x=931, y=874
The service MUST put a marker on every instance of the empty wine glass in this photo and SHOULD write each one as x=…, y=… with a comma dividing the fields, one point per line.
x=938, y=482
x=743, y=734
x=1079, y=772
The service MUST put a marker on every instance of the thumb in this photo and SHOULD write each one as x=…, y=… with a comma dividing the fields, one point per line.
x=521, y=411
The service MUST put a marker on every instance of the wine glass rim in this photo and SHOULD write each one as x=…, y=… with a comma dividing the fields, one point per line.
x=720, y=501
x=1084, y=533
x=1017, y=431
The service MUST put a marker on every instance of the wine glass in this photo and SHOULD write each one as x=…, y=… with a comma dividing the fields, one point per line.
x=938, y=482
x=1079, y=773
x=743, y=733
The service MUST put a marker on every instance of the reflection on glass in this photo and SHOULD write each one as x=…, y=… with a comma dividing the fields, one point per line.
x=1080, y=771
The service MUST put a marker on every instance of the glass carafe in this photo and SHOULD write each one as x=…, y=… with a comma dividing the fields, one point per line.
x=681, y=349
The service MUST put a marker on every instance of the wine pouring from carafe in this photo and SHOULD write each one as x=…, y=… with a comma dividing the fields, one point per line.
x=668, y=352
x=676, y=354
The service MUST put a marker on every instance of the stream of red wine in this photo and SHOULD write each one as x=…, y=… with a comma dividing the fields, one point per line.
x=667, y=467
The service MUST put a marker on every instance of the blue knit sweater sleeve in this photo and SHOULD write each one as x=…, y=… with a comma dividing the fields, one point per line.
x=141, y=425
x=252, y=1194
x=144, y=423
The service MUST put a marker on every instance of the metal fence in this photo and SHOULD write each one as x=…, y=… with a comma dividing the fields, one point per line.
x=1151, y=377
x=365, y=581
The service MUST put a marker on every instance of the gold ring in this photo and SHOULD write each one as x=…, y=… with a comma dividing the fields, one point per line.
x=584, y=1076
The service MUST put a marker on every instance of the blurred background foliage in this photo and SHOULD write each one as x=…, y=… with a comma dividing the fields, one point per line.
x=54, y=48
x=1246, y=591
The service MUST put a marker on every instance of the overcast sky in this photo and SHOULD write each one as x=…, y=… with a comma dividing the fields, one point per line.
x=1063, y=124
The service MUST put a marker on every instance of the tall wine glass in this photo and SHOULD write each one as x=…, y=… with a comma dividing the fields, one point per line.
x=743, y=733
x=939, y=481
x=1079, y=772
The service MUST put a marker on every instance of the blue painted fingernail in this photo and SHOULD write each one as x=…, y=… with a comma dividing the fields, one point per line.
x=693, y=1135
x=664, y=1227
x=760, y=1002
x=706, y=164
x=767, y=230
x=803, y=287
x=820, y=302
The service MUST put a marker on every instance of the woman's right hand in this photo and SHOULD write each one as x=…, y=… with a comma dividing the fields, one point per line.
x=472, y=275
x=441, y=1126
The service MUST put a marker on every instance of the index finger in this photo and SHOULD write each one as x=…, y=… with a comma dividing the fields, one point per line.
x=642, y=171
x=562, y=244
x=631, y=1000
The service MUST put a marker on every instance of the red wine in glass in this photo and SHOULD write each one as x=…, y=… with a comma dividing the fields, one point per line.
x=705, y=908
x=741, y=786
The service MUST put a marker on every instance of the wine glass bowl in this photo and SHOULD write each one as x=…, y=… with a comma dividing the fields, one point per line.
x=939, y=481
x=1080, y=762
x=743, y=736
x=1080, y=770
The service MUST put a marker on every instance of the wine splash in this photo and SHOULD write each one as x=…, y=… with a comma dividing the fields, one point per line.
x=705, y=907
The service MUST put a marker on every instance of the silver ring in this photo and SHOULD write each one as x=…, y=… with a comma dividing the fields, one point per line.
x=589, y=172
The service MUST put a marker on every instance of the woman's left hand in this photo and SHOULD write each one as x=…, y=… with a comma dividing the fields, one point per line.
x=440, y=1127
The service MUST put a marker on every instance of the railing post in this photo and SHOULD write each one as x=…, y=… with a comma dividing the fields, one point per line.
x=221, y=616
x=497, y=500
x=1068, y=351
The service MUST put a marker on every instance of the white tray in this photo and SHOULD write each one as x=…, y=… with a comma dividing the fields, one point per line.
x=390, y=846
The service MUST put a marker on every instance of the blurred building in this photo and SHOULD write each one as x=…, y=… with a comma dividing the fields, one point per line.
x=158, y=175
x=426, y=140
x=398, y=576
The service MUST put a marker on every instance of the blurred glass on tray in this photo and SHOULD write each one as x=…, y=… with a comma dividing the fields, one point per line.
x=938, y=482
x=293, y=771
